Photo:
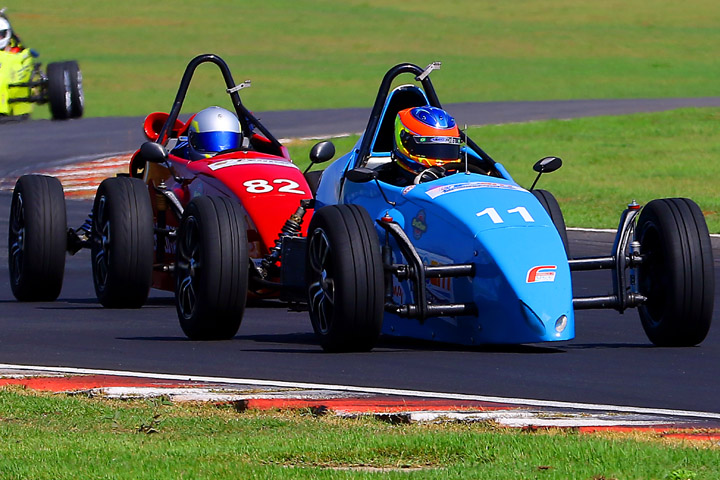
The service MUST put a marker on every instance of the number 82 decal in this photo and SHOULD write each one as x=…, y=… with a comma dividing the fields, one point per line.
x=263, y=186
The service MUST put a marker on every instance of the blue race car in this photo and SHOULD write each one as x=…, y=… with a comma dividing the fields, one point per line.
x=466, y=255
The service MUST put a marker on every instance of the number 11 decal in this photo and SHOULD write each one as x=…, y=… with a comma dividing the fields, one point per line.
x=523, y=213
x=496, y=218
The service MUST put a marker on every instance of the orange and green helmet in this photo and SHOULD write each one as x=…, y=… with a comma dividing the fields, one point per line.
x=425, y=137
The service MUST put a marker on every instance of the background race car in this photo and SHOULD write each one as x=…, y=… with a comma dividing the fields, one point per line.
x=466, y=255
x=214, y=227
x=23, y=83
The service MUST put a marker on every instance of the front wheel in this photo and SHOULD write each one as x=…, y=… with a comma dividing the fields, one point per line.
x=37, y=239
x=211, y=269
x=121, y=242
x=676, y=274
x=345, y=278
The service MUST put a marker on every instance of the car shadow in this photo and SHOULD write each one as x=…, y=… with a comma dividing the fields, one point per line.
x=386, y=344
x=90, y=303
x=405, y=343
x=605, y=345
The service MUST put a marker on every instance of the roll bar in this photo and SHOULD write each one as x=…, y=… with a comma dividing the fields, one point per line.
x=423, y=77
x=248, y=122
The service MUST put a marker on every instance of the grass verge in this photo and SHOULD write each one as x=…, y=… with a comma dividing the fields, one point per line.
x=56, y=437
x=303, y=54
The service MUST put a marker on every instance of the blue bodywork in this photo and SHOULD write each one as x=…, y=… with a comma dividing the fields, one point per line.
x=521, y=285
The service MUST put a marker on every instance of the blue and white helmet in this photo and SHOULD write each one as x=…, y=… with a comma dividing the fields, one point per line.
x=5, y=33
x=213, y=130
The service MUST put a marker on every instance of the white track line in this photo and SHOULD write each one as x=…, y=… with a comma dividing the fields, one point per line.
x=373, y=390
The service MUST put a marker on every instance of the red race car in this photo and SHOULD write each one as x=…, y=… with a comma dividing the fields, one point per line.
x=211, y=208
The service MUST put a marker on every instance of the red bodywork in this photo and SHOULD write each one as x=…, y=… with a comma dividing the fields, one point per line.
x=263, y=180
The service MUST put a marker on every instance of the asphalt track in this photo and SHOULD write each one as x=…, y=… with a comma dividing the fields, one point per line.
x=610, y=361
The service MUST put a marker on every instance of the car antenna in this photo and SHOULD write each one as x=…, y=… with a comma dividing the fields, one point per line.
x=467, y=172
x=428, y=69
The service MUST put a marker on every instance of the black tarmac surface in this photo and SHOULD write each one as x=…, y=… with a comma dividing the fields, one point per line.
x=610, y=361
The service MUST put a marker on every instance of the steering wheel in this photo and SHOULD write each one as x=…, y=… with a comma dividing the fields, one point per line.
x=430, y=174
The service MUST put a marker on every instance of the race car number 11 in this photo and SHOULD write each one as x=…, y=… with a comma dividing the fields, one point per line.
x=263, y=186
x=496, y=218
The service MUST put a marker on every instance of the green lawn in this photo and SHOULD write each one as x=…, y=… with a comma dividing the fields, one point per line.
x=303, y=54
x=59, y=437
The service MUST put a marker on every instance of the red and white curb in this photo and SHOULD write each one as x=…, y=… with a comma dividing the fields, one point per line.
x=81, y=179
x=395, y=405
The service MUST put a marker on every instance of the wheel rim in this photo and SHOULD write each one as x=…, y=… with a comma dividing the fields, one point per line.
x=103, y=241
x=81, y=94
x=188, y=263
x=17, y=239
x=68, y=92
x=322, y=286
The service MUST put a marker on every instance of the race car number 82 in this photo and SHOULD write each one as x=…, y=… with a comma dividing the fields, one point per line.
x=263, y=186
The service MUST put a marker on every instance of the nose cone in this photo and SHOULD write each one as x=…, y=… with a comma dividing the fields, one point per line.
x=524, y=290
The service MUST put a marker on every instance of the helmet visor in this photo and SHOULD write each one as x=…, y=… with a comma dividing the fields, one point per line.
x=3, y=33
x=214, y=141
x=438, y=148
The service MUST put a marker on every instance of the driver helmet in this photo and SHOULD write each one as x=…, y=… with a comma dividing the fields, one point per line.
x=5, y=33
x=425, y=137
x=213, y=130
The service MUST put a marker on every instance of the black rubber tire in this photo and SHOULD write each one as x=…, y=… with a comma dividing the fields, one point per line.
x=121, y=242
x=211, y=268
x=344, y=272
x=37, y=239
x=551, y=206
x=59, y=90
x=77, y=96
x=677, y=274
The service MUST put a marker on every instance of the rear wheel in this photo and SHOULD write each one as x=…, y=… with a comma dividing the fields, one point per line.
x=59, y=91
x=37, y=239
x=551, y=206
x=122, y=242
x=676, y=274
x=211, y=269
x=345, y=278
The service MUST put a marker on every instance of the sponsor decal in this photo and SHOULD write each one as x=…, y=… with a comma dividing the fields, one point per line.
x=398, y=293
x=541, y=273
x=261, y=185
x=419, y=225
x=407, y=189
x=169, y=246
x=234, y=162
x=441, y=287
x=459, y=187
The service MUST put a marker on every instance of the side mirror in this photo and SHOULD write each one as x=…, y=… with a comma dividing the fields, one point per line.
x=361, y=175
x=153, y=152
x=547, y=164
x=322, y=152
